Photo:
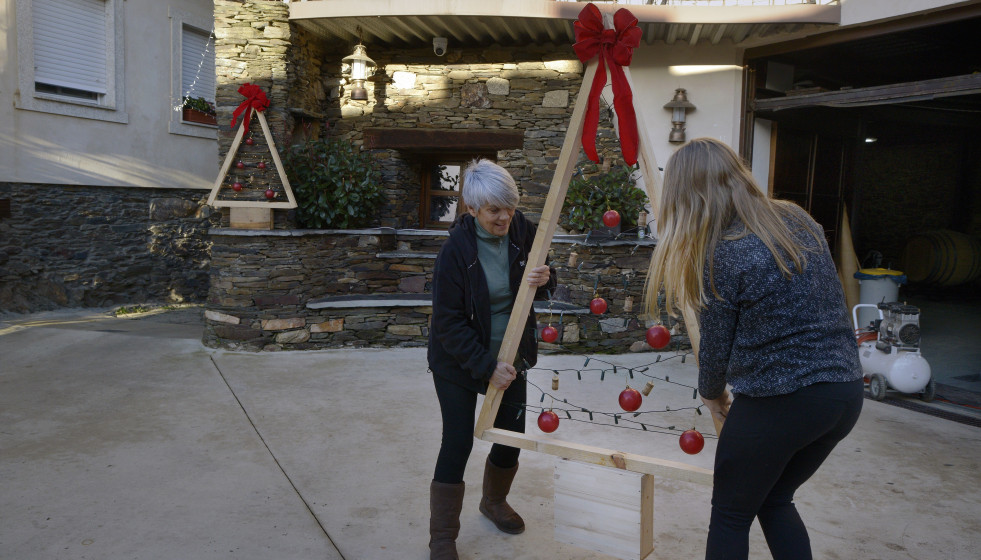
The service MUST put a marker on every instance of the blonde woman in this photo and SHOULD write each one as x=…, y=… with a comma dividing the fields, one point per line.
x=774, y=327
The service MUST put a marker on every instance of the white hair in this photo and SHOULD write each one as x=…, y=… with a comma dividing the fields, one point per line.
x=485, y=182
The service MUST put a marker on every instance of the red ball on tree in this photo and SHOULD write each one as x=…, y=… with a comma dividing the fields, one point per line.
x=611, y=218
x=240, y=165
x=249, y=141
x=550, y=334
x=236, y=186
x=261, y=165
x=270, y=194
x=598, y=306
x=630, y=399
x=548, y=421
x=658, y=337
x=691, y=441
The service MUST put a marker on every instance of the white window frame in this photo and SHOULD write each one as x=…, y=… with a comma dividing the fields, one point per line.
x=110, y=106
x=176, y=125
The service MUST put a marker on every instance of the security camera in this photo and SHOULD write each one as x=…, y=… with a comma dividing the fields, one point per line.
x=439, y=46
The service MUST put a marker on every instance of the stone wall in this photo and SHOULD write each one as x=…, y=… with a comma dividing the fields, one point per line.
x=72, y=246
x=530, y=89
x=251, y=43
x=281, y=290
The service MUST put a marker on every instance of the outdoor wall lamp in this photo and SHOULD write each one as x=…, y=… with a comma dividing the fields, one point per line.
x=361, y=68
x=679, y=106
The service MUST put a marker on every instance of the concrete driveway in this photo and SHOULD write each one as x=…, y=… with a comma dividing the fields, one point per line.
x=126, y=438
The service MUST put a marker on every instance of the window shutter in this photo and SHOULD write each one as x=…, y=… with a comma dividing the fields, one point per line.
x=197, y=64
x=70, y=44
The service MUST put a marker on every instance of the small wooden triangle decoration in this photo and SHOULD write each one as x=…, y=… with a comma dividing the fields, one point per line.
x=213, y=199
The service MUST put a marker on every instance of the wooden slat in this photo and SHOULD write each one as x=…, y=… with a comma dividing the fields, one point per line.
x=602, y=509
x=251, y=218
x=543, y=239
x=645, y=154
x=653, y=182
x=599, y=456
x=227, y=163
x=646, y=515
x=279, y=163
x=251, y=204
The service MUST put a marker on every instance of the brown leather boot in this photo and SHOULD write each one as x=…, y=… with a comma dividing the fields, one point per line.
x=497, y=484
x=445, y=503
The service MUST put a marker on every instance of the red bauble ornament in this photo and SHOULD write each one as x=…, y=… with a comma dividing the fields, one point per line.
x=658, y=337
x=262, y=165
x=611, y=218
x=548, y=421
x=249, y=141
x=236, y=186
x=598, y=306
x=630, y=399
x=270, y=194
x=691, y=442
x=240, y=165
x=550, y=334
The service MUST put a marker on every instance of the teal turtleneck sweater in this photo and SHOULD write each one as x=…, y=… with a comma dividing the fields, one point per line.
x=492, y=251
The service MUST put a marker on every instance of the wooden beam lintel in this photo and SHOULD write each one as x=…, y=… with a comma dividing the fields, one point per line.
x=897, y=93
x=437, y=138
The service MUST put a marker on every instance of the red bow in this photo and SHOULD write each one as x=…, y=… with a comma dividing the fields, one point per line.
x=614, y=47
x=255, y=99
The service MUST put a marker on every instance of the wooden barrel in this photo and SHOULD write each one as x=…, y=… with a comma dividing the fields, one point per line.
x=944, y=257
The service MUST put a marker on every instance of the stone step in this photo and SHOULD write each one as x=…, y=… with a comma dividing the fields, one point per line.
x=423, y=300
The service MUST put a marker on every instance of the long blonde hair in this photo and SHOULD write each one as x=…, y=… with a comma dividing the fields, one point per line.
x=706, y=187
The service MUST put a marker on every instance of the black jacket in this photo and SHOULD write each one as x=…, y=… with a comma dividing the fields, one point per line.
x=459, y=336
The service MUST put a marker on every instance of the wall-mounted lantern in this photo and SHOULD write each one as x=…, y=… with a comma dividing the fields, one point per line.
x=361, y=68
x=679, y=106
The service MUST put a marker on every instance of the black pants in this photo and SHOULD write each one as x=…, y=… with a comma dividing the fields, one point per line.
x=458, y=406
x=768, y=448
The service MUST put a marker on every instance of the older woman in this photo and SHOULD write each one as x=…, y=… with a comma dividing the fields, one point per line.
x=475, y=280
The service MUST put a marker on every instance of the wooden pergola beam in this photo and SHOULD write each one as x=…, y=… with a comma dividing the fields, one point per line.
x=893, y=93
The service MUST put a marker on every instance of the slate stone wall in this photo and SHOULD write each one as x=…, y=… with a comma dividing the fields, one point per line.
x=263, y=285
x=73, y=246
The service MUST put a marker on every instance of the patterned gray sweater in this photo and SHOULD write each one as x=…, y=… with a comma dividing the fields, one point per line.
x=770, y=335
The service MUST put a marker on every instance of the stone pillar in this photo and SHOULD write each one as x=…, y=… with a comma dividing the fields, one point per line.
x=252, y=40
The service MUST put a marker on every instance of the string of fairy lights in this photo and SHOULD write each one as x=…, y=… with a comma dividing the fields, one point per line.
x=634, y=420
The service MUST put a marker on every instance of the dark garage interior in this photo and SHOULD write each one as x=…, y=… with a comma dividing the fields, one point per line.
x=884, y=123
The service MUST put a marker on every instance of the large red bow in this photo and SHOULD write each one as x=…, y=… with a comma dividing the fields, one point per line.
x=255, y=99
x=614, y=47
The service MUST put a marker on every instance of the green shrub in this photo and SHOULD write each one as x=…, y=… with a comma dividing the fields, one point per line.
x=337, y=186
x=593, y=192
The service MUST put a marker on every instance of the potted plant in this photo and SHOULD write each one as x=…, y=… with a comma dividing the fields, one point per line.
x=198, y=110
x=335, y=183
x=593, y=191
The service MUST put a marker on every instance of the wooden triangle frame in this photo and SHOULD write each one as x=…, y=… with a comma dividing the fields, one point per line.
x=523, y=302
x=232, y=151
